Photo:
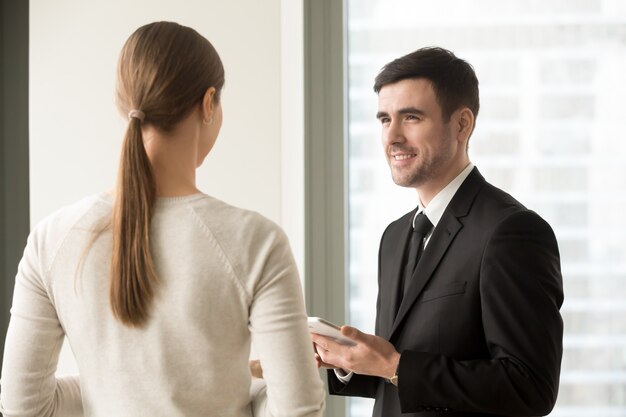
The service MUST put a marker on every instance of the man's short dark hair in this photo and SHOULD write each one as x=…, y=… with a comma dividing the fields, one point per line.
x=452, y=78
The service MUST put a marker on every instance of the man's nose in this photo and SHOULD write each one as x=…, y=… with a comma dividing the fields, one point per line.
x=393, y=133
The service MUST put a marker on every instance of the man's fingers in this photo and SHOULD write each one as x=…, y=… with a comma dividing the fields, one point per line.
x=318, y=361
x=329, y=358
x=322, y=364
x=352, y=333
x=324, y=342
x=317, y=340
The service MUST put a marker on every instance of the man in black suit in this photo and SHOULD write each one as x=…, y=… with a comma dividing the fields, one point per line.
x=468, y=320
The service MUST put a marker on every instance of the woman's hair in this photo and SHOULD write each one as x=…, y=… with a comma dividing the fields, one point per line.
x=164, y=72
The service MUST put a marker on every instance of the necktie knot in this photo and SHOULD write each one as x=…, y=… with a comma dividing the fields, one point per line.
x=422, y=225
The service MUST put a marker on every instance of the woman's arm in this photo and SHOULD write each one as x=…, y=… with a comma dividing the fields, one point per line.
x=32, y=347
x=281, y=339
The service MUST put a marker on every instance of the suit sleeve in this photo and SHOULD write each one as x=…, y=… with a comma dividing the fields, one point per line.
x=32, y=347
x=521, y=293
x=359, y=385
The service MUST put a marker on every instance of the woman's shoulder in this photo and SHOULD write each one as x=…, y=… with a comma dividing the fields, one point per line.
x=219, y=214
x=86, y=213
x=48, y=236
x=239, y=232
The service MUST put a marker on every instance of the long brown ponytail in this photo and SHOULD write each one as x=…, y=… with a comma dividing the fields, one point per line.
x=132, y=270
x=164, y=72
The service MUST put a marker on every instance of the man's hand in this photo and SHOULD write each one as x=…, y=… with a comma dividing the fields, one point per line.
x=320, y=362
x=372, y=355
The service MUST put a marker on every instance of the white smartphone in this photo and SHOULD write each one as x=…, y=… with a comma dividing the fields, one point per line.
x=328, y=329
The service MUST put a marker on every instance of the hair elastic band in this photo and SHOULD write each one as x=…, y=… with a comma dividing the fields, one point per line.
x=137, y=114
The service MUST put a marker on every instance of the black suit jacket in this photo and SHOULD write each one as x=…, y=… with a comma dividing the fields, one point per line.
x=479, y=331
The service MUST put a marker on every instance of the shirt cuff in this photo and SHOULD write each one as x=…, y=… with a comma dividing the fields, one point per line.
x=343, y=376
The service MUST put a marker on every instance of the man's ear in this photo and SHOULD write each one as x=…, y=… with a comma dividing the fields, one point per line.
x=208, y=104
x=464, y=124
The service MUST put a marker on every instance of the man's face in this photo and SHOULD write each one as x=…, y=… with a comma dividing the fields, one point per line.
x=418, y=145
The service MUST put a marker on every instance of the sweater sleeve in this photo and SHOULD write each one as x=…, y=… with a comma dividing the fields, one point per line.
x=32, y=347
x=280, y=336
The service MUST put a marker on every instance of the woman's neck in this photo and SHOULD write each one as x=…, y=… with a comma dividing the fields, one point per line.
x=173, y=157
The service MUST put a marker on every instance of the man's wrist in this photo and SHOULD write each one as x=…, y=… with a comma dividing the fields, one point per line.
x=394, y=377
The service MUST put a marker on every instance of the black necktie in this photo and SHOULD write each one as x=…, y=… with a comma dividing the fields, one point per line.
x=422, y=226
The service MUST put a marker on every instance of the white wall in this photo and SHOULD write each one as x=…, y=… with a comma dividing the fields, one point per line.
x=75, y=131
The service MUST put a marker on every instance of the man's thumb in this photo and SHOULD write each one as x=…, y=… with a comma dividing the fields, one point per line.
x=351, y=332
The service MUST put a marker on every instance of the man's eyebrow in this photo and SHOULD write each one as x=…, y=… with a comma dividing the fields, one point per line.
x=405, y=110
x=411, y=110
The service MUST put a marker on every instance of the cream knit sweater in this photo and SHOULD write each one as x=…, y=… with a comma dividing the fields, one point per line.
x=227, y=278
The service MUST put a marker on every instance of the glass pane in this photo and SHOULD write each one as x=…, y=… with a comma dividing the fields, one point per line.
x=550, y=132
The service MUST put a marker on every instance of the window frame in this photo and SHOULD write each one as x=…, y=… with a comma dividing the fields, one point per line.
x=325, y=144
x=14, y=160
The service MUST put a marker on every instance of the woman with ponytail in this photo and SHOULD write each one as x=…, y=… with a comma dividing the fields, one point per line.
x=159, y=288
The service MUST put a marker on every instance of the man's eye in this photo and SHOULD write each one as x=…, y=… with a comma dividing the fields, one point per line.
x=411, y=117
x=384, y=120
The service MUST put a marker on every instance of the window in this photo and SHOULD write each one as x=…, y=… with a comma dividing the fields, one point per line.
x=550, y=132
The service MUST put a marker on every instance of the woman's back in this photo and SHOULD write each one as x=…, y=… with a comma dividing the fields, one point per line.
x=159, y=288
x=226, y=275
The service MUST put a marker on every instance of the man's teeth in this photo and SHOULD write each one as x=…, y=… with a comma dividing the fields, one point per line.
x=401, y=157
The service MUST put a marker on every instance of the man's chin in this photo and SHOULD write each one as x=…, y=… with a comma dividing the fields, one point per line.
x=407, y=182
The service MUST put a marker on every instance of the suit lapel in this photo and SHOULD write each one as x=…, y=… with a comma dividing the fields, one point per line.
x=392, y=273
x=448, y=227
x=437, y=247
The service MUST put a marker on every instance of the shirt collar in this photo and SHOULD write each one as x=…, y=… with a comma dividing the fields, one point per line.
x=440, y=202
